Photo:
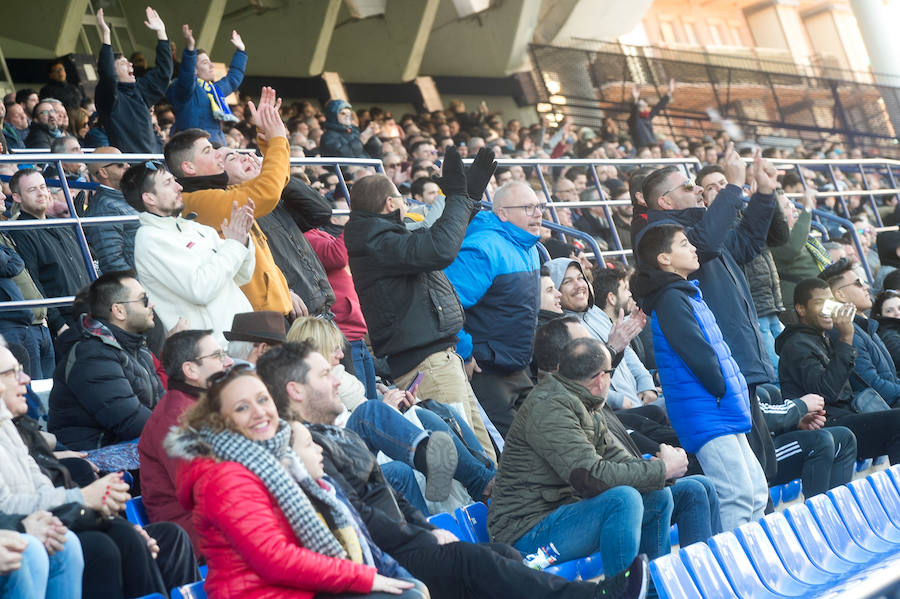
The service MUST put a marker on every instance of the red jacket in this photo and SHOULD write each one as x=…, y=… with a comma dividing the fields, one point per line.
x=249, y=545
x=332, y=254
x=157, y=468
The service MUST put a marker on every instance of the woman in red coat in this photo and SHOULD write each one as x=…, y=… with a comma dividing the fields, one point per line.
x=267, y=528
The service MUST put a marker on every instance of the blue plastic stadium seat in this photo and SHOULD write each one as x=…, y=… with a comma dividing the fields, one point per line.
x=835, y=531
x=671, y=578
x=153, y=596
x=189, y=591
x=590, y=567
x=863, y=465
x=894, y=473
x=475, y=515
x=449, y=523
x=787, y=546
x=887, y=493
x=841, y=501
x=770, y=568
x=871, y=507
x=775, y=494
x=747, y=577
x=135, y=512
x=699, y=560
x=830, y=552
x=673, y=535
x=567, y=570
x=204, y=570
x=791, y=491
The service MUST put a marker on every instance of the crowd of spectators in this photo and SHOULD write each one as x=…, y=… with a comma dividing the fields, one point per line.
x=293, y=390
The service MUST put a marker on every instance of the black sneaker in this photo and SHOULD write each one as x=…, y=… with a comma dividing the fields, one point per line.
x=629, y=584
x=440, y=466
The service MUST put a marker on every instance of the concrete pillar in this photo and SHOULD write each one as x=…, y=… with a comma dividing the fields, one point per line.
x=383, y=49
x=493, y=43
x=41, y=30
x=877, y=21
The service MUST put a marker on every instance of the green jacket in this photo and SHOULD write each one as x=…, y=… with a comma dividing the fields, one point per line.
x=560, y=450
x=793, y=260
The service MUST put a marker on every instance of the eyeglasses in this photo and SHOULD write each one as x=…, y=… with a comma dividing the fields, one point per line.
x=118, y=164
x=218, y=378
x=16, y=370
x=43, y=112
x=608, y=371
x=687, y=185
x=856, y=283
x=144, y=299
x=220, y=355
x=530, y=209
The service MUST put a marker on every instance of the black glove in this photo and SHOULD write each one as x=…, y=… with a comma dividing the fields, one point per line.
x=452, y=179
x=480, y=173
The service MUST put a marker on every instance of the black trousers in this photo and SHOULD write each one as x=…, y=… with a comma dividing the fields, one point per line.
x=500, y=395
x=474, y=571
x=823, y=459
x=760, y=439
x=649, y=426
x=118, y=564
x=877, y=433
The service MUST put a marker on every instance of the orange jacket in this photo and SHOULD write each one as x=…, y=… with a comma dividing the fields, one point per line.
x=267, y=289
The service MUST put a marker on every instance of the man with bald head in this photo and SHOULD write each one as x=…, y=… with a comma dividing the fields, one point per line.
x=112, y=244
x=497, y=278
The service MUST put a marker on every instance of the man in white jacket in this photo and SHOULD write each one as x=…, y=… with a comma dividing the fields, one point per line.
x=186, y=268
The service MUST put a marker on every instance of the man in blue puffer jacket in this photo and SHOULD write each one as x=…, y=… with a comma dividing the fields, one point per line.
x=706, y=394
x=497, y=278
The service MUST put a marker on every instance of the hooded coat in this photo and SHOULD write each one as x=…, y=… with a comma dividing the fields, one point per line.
x=497, y=277
x=706, y=394
x=887, y=242
x=343, y=140
x=631, y=376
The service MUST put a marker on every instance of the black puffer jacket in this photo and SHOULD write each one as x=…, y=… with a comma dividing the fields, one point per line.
x=104, y=386
x=761, y=273
x=409, y=305
x=889, y=331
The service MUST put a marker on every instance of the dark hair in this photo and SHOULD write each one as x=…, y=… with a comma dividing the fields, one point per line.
x=58, y=144
x=655, y=240
x=23, y=94
x=582, y=358
x=418, y=186
x=545, y=270
x=708, y=170
x=892, y=280
x=803, y=290
x=549, y=340
x=55, y=62
x=180, y=148
x=415, y=146
x=370, y=193
x=34, y=111
x=281, y=365
x=636, y=182
x=574, y=172
x=654, y=184
x=138, y=180
x=18, y=175
x=791, y=178
x=769, y=152
x=181, y=347
x=833, y=273
x=880, y=299
x=606, y=281
x=107, y=290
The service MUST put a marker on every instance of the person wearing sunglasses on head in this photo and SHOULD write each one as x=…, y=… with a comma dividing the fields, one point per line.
x=724, y=242
x=112, y=243
x=106, y=385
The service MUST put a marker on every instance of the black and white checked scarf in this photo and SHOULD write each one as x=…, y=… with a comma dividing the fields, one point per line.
x=263, y=458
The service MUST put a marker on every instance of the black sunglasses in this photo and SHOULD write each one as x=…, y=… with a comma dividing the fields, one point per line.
x=144, y=299
x=218, y=378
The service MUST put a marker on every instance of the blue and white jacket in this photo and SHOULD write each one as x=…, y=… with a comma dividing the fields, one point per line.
x=497, y=278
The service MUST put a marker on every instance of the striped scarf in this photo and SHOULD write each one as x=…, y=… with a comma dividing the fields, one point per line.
x=818, y=252
x=217, y=103
x=263, y=458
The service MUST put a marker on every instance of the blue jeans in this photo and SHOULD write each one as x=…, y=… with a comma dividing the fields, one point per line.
x=45, y=345
x=610, y=523
x=364, y=367
x=56, y=577
x=470, y=471
x=403, y=480
x=696, y=509
x=23, y=335
x=384, y=429
x=770, y=327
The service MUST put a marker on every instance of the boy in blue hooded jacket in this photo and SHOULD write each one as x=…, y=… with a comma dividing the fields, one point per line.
x=706, y=394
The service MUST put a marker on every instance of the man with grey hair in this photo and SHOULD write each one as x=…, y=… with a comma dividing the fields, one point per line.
x=496, y=276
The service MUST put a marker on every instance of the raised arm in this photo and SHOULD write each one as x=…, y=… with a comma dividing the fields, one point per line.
x=183, y=86
x=155, y=82
x=105, y=94
x=232, y=80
